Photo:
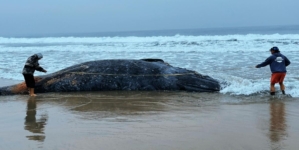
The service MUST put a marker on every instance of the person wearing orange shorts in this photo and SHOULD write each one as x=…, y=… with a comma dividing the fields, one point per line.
x=278, y=64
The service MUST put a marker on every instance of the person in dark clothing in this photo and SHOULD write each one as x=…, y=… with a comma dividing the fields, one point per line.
x=278, y=64
x=30, y=66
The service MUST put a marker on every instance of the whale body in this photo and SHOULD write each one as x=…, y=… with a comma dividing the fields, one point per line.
x=120, y=74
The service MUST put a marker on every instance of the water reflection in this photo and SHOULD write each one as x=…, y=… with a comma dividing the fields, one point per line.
x=277, y=124
x=132, y=101
x=116, y=104
x=36, y=126
x=109, y=104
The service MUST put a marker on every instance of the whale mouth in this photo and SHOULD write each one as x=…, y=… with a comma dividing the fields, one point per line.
x=213, y=87
x=192, y=88
x=199, y=83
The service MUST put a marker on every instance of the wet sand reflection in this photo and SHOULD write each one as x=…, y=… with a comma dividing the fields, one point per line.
x=36, y=126
x=112, y=104
x=277, y=124
x=147, y=120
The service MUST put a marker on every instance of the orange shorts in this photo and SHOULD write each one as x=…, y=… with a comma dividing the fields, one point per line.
x=277, y=77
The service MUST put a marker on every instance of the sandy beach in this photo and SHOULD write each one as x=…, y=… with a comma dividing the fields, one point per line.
x=148, y=120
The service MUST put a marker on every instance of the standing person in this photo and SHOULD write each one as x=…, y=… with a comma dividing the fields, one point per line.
x=30, y=66
x=278, y=64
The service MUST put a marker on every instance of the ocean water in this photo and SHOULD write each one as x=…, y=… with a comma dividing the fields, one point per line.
x=227, y=54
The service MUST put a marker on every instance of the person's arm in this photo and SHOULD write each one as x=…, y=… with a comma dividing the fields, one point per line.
x=38, y=67
x=265, y=63
x=287, y=61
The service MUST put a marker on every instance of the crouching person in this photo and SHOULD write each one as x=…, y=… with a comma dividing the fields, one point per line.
x=30, y=66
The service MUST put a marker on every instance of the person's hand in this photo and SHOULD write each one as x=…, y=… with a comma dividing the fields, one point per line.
x=45, y=71
x=255, y=66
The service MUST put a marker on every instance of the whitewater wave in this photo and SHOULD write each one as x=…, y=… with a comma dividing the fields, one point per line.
x=249, y=42
x=233, y=85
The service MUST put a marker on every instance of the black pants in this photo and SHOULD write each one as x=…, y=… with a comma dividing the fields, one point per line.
x=29, y=80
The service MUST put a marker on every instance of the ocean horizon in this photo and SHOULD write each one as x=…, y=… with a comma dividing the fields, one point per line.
x=282, y=29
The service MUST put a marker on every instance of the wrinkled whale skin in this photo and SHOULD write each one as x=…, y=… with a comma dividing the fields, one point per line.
x=120, y=74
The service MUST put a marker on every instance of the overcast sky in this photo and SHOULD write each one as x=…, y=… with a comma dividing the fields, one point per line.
x=21, y=17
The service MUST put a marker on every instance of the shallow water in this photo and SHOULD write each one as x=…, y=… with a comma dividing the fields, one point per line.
x=148, y=120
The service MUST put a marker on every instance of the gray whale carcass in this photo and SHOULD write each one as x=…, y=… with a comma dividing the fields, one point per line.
x=120, y=74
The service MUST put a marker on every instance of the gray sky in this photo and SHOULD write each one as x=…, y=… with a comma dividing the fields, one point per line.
x=27, y=17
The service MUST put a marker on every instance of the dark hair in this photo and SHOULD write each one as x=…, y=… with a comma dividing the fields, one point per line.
x=275, y=49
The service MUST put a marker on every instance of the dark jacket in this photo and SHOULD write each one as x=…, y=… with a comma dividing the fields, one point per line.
x=31, y=65
x=277, y=62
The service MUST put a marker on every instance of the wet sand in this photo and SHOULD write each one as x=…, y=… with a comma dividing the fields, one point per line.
x=148, y=120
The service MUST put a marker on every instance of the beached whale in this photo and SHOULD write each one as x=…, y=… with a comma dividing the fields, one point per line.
x=120, y=74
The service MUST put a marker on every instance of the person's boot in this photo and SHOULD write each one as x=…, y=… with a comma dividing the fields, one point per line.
x=272, y=93
x=283, y=92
